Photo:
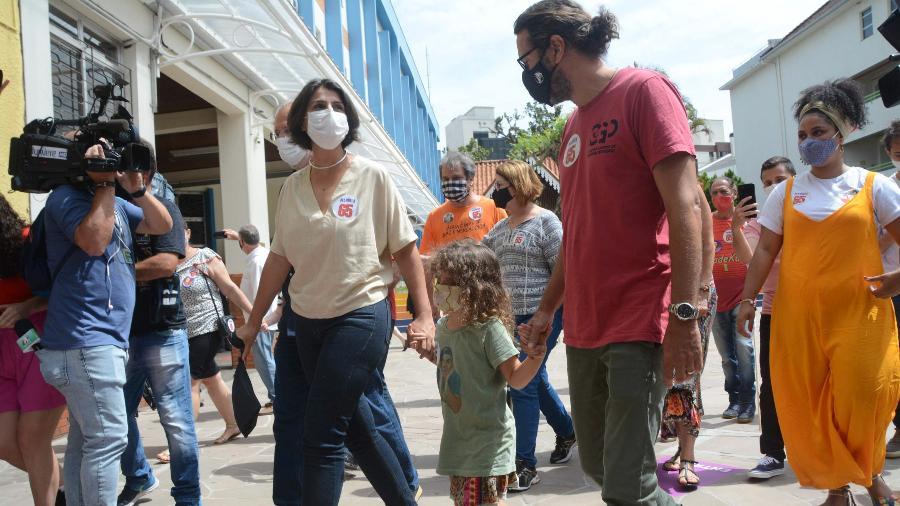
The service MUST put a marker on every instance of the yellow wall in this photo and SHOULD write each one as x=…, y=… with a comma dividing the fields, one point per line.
x=12, y=100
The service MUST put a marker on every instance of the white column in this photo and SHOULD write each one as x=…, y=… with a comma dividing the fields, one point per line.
x=35, y=17
x=138, y=59
x=242, y=170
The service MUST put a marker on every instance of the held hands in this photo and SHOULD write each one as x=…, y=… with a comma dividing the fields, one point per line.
x=247, y=334
x=533, y=335
x=743, y=212
x=682, y=355
x=420, y=337
x=885, y=285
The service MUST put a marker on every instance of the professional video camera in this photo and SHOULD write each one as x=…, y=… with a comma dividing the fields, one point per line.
x=889, y=84
x=42, y=159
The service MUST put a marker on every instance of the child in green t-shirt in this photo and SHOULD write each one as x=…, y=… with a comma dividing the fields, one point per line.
x=476, y=359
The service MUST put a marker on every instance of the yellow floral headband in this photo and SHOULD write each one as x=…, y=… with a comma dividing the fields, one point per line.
x=842, y=125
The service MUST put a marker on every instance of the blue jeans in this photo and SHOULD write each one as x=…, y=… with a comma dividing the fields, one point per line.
x=264, y=361
x=291, y=389
x=539, y=397
x=162, y=357
x=339, y=357
x=738, y=361
x=387, y=423
x=91, y=380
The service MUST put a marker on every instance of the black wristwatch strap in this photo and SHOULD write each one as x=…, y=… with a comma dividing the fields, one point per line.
x=138, y=194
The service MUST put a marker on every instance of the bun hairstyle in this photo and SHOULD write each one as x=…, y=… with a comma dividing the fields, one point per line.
x=891, y=134
x=588, y=35
x=843, y=96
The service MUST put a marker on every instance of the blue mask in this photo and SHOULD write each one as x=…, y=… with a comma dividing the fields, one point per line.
x=816, y=152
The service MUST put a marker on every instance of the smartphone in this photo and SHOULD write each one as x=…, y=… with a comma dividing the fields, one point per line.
x=219, y=234
x=747, y=190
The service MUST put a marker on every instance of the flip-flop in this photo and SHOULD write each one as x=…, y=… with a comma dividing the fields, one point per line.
x=163, y=457
x=230, y=437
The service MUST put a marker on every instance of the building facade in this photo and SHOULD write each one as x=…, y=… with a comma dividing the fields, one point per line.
x=839, y=40
x=12, y=101
x=204, y=80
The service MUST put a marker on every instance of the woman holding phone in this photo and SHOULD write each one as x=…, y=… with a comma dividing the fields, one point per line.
x=732, y=254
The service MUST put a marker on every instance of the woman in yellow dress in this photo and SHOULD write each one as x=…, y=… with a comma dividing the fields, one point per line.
x=834, y=360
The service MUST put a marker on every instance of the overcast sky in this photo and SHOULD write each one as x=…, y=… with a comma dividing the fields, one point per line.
x=472, y=52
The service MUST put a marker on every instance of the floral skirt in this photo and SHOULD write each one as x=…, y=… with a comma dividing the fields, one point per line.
x=683, y=404
x=474, y=491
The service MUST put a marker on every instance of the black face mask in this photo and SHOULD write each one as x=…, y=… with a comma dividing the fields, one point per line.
x=501, y=197
x=537, y=81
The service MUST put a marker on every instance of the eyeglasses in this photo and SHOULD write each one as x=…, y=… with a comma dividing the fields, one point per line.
x=521, y=60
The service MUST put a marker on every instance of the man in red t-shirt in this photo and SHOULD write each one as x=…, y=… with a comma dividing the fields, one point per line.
x=630, y=260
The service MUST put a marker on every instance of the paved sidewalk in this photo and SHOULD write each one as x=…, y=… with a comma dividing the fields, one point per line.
x=241, y=472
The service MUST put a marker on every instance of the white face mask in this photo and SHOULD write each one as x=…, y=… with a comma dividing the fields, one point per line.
x=769, y=189
x=291, y=153
x=327, y=128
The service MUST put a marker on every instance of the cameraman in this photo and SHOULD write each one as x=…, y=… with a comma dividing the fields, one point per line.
x=159, y=353
x=89, y=240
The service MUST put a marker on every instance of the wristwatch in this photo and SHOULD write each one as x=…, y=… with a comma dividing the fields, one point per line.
x=140, y=193
x=684, y=311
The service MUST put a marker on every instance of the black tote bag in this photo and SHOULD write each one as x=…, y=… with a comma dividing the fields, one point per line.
x=243, y=398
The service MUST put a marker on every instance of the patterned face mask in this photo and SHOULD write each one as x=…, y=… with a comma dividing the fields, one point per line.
x=455, y=189
x=816, y=152
x=446, y=297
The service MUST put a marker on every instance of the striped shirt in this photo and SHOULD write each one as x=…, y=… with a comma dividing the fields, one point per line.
x=527, y=255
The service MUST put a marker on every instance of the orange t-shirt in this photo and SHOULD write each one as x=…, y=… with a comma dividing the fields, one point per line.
x=728, y=271
x=449, y=222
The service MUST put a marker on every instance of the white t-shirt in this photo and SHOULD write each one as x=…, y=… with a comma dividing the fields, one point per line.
x=256, y=260
x=818, y=199
x=890, y=251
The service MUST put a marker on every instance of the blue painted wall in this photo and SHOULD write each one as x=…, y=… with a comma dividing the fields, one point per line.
x=383, y=72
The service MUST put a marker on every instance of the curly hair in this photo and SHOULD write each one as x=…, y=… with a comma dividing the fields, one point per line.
x=476, y=271
x=891, y=134
x=11, y=226
x=843, y=95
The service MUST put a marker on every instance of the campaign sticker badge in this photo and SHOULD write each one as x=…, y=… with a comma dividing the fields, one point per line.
x=476, y=213
x=519, y=239
x=345, y=208
x=573, y=149
x=728, y=236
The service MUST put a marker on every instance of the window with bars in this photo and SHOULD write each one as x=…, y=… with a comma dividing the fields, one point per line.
x=81, y=58
x=866, y=22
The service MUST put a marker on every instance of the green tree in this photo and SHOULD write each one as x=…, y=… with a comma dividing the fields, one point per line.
x=475, y=150
x=541, y=136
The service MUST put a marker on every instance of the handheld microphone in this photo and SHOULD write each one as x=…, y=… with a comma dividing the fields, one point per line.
x=28, y=340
